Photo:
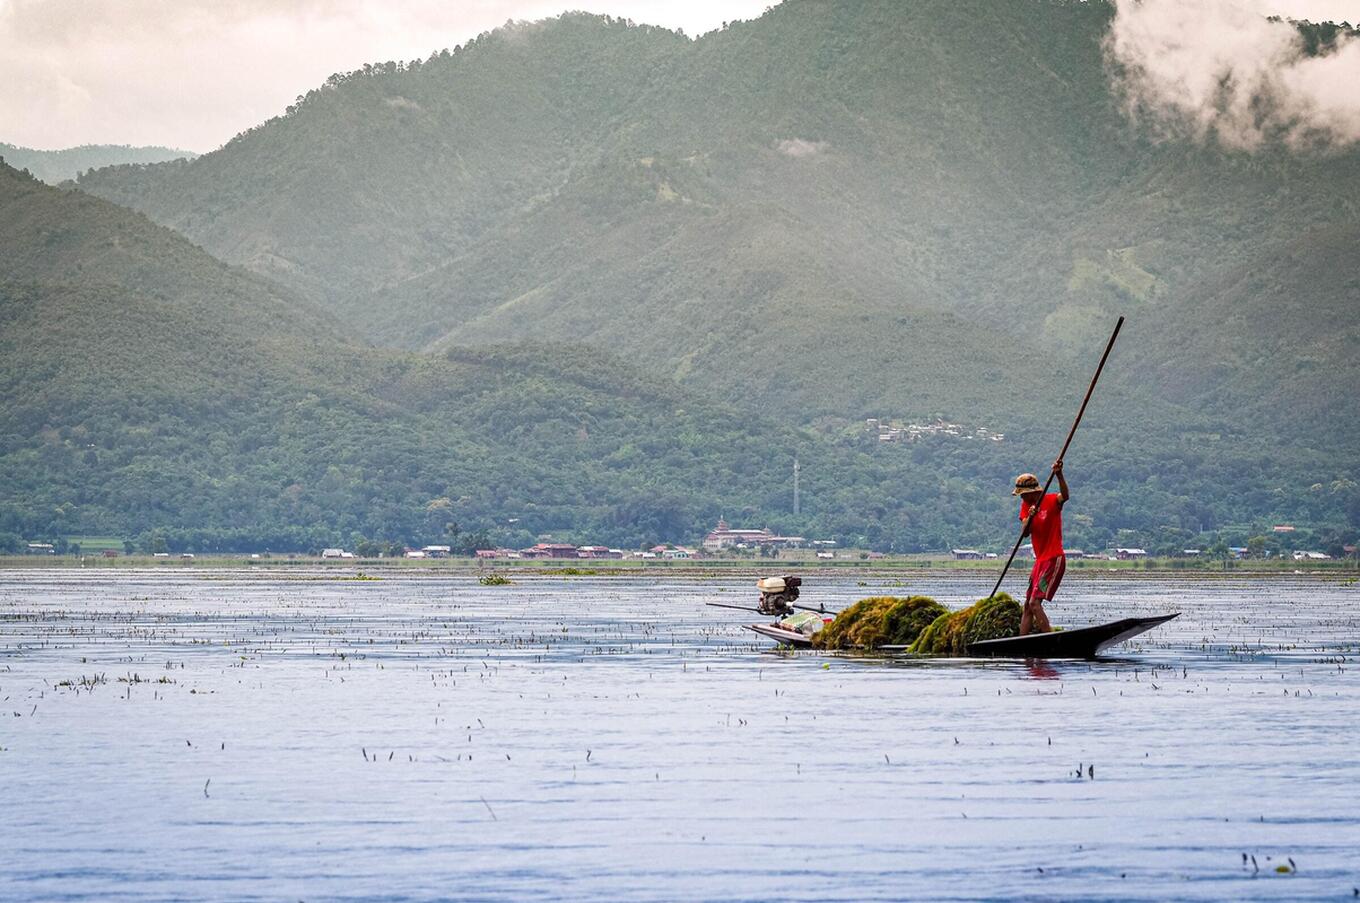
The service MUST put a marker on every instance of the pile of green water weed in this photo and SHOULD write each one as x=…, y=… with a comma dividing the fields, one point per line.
x=879, y=621
x=987, y=619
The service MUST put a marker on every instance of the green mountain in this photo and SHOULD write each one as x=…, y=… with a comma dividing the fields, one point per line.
x=56, y=166
x=152, y=390
x=149, y=387
x=834, y=212
x=839, y=210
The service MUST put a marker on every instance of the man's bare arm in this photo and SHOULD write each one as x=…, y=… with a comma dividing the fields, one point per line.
x=1062, y=481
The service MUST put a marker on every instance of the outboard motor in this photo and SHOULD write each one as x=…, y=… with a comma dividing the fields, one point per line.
x=777, y=595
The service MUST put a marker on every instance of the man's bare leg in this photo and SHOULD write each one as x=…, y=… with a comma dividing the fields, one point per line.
x=1041, y=617
x=1033, y=618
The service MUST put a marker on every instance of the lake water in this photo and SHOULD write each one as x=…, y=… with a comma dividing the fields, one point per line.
x=254, y=735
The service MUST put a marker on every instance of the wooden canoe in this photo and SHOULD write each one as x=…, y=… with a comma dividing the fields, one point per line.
x=1083, y=642
x=785, y=637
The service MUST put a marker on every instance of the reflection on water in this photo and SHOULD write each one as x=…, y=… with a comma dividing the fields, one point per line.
x=250, y=734
x=1041, y=669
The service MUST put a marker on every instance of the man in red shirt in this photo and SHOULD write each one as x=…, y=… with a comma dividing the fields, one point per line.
x=1045, y=532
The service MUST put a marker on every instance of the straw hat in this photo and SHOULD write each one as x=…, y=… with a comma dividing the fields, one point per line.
x=1026, y=482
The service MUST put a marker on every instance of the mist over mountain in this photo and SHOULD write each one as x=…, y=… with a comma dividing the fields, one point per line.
x=57, y=166
x=833, y=212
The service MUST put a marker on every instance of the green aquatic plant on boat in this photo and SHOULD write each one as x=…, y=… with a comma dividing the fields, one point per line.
x=904, y=621
x=986, y=619
x=879, y=621
x=495, y=580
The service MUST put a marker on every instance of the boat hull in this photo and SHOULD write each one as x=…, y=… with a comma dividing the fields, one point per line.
x=784, y=637
x=1084, y=642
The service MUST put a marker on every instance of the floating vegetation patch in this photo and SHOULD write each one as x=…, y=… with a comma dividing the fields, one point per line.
x=494, y=580
x=986, y=619
x=83, y=682
x=312, y=578
x=880, y=621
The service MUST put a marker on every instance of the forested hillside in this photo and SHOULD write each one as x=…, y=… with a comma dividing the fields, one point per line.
x=56, y=166
x=773, y=210
x=149, y=387
x=151, y=390
x=836, y=211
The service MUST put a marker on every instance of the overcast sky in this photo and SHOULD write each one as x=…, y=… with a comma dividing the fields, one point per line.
x=192, y=73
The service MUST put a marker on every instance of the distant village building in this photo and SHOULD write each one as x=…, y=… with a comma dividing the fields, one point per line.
x=488, y=554
x=550, y=550
x=725, y=537
x=437, y=551
x=332, y=553
x=1283, y=528
x=896, y=431
x=598, y=552
x=1129, y=554
x=41, y=548
x=966, y=554
x=1312, y=556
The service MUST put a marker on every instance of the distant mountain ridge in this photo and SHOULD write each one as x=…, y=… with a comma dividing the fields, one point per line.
x=921, y=189
x=151, y=390
x=837, y=211
x=149, y=387
x=57, y=166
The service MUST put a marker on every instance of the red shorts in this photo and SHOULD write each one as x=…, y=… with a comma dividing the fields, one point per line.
x=1044, y=579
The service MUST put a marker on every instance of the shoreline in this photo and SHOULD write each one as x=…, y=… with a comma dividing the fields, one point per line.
x=1345, y=569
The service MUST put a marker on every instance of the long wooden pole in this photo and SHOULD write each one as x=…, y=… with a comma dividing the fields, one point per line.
x=1062, y=454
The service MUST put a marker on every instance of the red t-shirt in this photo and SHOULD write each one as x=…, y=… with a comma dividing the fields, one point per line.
x=1046, y=531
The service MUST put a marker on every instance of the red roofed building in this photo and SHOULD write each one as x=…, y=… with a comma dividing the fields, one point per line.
x=724, y=537
x=551, y=550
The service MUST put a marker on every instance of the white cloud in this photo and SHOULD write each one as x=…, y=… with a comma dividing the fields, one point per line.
x=192, y=73
x=1221, y=70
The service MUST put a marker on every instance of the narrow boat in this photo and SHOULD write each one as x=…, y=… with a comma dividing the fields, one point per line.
x=796, y=630
x=783, y=635
x=1083, y=642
